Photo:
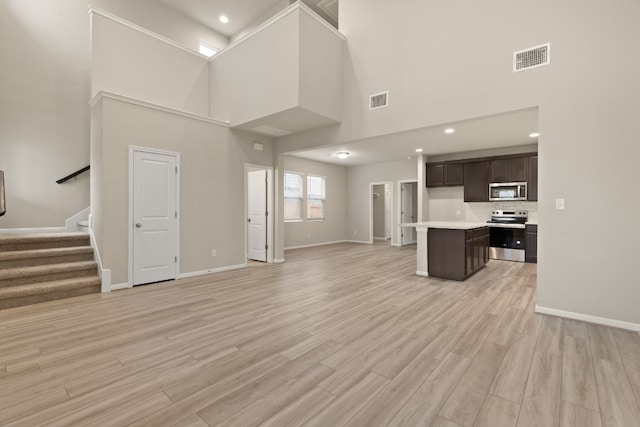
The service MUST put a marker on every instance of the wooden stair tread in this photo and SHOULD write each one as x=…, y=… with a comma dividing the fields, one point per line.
x=49, y=287
x=39, y=270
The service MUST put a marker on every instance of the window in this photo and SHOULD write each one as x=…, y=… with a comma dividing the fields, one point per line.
x=207, y=49
x=292, y=196
x=316, y=189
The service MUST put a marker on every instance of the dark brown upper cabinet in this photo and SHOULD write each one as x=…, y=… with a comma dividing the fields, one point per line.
x=510, y=170
x=532, y=182
x=476, y=181
x=445, y=174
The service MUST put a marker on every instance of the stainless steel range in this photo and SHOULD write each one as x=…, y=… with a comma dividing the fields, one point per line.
x=507, y=235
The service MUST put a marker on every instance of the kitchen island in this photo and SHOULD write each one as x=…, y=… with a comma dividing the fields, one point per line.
x=451, y=250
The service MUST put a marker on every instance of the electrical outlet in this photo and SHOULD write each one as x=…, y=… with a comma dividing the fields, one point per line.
x=214, y=252
x=560, y=204
x=458, y=212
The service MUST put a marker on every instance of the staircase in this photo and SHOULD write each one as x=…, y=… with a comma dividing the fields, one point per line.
x=45, y=267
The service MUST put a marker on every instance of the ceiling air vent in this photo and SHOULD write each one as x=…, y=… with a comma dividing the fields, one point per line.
x=378, y=100
x=532, y=57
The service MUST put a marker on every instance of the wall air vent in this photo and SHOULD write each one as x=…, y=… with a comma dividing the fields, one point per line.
x=378, y=100
x=532, y=57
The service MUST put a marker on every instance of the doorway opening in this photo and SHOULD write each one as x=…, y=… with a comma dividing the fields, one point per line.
x=258, y=213
x=381, y=212
x=408, y=211
x=154, y=212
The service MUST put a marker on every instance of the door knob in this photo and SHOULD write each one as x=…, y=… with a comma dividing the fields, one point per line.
x=138, y=225
x=248, y=219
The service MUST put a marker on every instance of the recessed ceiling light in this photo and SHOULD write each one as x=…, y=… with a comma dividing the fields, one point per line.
x=343, y=154
x=449, y=130
x=224, y=19
x=419, y=150
x=534, y=135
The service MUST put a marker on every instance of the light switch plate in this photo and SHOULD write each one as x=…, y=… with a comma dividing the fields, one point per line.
x=560, y=204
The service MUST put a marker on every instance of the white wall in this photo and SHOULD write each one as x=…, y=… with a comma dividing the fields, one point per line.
x=258, y=77
x=453, y=66
x=128, y=62
x=44, y=121
x=211, y=183
x=44, y=96
x=287, y=75
x=378, y=211
x=359, y=179
x=321, y=60
x=333, y=227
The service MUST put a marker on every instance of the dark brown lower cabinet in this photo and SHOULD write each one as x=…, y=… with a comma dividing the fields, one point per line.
x=457, y=254
x=531, y=243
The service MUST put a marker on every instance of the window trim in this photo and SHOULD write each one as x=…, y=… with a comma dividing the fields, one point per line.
x=301, y=198
x=323, y=199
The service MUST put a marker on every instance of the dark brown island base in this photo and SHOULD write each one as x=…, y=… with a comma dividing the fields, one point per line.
x=456, y=254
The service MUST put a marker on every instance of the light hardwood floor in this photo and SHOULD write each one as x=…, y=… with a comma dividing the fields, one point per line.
x=338, y=335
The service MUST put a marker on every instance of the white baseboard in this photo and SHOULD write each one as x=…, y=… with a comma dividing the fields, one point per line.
x=380, y=238
x=360, y=242
x=211, y=271
x=315, y=244
x=278, y=260
x=422, y=273
x=120, y=286
x=588, y=318
x=104, y=273
x=396, y=245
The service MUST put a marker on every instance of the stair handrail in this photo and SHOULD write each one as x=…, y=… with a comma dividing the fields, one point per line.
x=73, y=175
x=3, y=203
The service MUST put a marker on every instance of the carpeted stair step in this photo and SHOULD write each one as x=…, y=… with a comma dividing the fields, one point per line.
x=16, y=296
x=25, y=242
x=44, y=273
x=30, y=258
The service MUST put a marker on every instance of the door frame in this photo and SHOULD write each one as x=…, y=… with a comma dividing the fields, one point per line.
x=371, y=184
x=399, y=210
x=132, y=150
x=249, y=167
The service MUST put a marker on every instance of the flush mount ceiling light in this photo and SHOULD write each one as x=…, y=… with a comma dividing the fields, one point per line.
x=449, y=130
x=224, y=19
x=419, y=150
x=342, y=154
x=534, y=135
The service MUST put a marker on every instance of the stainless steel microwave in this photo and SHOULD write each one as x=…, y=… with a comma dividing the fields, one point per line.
x=499, y=191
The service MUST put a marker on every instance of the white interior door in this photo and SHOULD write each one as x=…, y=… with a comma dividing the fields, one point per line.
x=155, y=223
x=408, y=212
x=257, y=211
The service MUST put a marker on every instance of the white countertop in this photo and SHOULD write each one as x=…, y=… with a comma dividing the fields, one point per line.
x=453, y=225
x=531, y=222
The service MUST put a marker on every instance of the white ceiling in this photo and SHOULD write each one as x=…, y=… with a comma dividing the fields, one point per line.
x=243, y=13
x=497, y=131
